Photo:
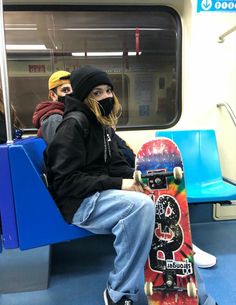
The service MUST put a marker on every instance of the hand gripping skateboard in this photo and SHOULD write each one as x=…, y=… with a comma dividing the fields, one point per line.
x=169, y=270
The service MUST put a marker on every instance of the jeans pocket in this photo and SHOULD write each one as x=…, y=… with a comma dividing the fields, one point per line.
x=86, y=208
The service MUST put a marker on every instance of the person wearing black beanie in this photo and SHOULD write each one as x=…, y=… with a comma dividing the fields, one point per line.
x=93, y=185
x=83, y=80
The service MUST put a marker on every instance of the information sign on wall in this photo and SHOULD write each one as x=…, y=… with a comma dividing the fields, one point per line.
x=216, y=5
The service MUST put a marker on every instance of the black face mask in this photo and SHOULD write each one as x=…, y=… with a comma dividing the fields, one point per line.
x=61, y=99
x=106, y=105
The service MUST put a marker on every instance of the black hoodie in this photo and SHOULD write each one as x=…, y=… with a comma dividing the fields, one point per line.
x=81, y=162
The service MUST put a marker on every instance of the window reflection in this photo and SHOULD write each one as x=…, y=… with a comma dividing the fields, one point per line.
x=139, y=48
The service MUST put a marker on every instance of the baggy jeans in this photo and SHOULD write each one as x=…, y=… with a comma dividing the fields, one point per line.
x=130, y=217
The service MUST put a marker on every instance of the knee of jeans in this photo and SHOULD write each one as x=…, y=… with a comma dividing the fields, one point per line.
x=148, y=207
x=147, y=214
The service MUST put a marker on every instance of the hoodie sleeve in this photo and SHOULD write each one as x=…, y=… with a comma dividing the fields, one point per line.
x=49, y=126
x=65, y=160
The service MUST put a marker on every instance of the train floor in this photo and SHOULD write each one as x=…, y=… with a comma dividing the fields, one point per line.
x=80, y=268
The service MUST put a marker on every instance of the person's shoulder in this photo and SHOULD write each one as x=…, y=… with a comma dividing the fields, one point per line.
x=57, y=118
x=43, y=104
x=119, y=139
x=80, y=119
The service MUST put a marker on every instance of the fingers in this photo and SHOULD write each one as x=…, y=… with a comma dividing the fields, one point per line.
x=134, y=185
x=141, y=187
x=148, y=189
x=138, y=187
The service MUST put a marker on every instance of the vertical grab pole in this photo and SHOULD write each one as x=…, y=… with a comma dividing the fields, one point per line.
x=4, y=77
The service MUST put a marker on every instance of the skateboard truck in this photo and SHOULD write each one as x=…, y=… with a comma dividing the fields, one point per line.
x=191, y=288
x=169, y=280
x=157, y=178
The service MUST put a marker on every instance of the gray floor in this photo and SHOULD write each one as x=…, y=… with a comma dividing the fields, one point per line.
x=220, y=240
x=80, y=268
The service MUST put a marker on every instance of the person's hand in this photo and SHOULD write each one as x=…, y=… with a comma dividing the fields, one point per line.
x=131, y=185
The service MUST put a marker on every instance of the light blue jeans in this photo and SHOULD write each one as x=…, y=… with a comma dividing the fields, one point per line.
x=130, y=217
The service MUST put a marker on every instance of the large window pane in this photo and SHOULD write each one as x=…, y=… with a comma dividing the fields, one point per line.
x=139, y=48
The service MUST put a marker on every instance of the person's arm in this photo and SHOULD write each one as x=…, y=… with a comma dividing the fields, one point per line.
x=49, y=126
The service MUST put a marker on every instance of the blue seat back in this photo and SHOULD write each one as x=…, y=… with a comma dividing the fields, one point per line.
x=7, y=207
x=39, y=221
x=199, y=152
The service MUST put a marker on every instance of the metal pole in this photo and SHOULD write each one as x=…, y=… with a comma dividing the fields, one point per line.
x=4, y=77
x=230, y=111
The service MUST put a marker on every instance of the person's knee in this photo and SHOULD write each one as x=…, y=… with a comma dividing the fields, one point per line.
x=143, y=206
x=147, y=209
x=149, y=206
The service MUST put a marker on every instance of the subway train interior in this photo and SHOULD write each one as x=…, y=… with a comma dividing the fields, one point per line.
x=173, y=66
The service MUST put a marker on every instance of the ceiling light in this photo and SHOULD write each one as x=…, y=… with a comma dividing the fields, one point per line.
x=26, y=47
x=97, y=54
x=105, y=54
x=78, y=54
x=21, y=29
x=134, y=53
x=111, y=29
x=21, y=26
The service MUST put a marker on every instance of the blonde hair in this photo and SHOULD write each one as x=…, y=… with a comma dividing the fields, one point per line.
x=15, y=121
x=113, y=117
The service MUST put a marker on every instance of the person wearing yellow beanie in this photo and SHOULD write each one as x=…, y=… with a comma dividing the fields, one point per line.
x=48, y=114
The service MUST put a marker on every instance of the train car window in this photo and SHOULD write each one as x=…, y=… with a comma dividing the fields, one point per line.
x=140, y=48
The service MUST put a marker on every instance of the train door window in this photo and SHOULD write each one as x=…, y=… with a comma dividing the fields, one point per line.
x=140, y=48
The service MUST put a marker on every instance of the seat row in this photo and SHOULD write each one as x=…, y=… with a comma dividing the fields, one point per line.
x=31, y=221
x=30, y=217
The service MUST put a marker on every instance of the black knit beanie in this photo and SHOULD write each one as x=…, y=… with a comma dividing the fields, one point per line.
x=83, y=80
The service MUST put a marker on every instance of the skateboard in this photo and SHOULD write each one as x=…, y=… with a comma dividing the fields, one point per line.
x=169, y=270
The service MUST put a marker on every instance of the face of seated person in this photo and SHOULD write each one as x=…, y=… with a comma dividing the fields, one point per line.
x=58, y=94
x=102, y=92
x=104, y=97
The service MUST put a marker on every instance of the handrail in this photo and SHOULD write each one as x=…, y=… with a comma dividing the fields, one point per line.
x=4, y=77
x=221, y=37
x=230, y=111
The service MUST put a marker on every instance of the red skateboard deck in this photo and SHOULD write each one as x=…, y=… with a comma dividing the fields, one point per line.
x=169, y=270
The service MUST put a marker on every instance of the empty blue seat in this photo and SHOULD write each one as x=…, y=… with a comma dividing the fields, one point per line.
x=39, y=221
x=7, y=207
x=203, y=176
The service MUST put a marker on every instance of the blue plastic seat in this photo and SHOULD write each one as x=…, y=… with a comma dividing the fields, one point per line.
x=204, y=181
x=7, y=207
x=39, y=220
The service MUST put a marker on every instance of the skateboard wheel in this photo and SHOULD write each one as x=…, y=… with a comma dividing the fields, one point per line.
x=177, y=173
x=137, y=177
x=148, y=288
x=191, y=290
